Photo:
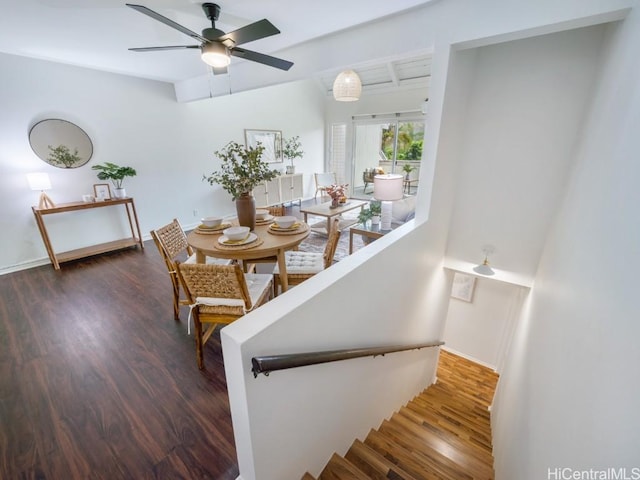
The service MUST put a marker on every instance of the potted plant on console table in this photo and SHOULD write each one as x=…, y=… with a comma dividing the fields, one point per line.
x=241, y=171
x=115, y=173
x=292, y=150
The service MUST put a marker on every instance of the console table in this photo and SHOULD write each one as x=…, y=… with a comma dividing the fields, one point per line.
x=58, y=258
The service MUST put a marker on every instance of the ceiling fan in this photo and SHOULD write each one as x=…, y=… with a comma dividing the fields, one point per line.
x=217, y=46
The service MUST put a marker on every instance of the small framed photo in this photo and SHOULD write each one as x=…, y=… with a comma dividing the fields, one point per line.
x=101, y=191
x=271, y=140
x=463, y=286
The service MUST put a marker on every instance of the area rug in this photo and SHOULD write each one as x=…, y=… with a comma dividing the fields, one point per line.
x=316, y=242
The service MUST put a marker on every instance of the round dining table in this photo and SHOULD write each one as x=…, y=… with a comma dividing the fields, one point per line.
x=271, y=246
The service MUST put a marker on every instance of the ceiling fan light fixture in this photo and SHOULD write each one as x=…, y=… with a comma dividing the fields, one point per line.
x=347, y=87
x=215, y=55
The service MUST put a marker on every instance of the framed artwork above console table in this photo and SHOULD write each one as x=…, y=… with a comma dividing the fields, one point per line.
x=58, y=258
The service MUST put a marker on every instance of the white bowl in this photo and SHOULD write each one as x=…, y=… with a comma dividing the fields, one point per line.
x=236, y=233
x=286, y=221
x=261, y=214
x=211, y=221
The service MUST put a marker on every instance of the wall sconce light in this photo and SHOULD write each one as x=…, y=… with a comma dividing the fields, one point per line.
x=347, y=86
x=484, y=268
x=41, y=181
x=387, y=188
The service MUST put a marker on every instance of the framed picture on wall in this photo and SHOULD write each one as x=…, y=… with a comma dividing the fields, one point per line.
x=271, y=140
x=101, y=191
x=463, y=286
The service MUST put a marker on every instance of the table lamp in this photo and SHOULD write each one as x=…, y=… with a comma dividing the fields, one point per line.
x=387, y=188
x=40, y=181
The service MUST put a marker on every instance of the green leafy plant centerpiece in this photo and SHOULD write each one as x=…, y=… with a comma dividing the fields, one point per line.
x=116, y=174
x=242, y=170
x=292, y=149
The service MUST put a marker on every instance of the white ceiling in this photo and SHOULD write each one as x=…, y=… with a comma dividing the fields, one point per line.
x=97, y=34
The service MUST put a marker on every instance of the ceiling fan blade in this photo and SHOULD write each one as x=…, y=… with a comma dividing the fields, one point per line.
x=261, y=58
x=154, y=49
x=166, y=21
x=255, y=31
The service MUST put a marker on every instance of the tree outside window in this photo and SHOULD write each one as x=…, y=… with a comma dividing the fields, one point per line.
x=408, y=144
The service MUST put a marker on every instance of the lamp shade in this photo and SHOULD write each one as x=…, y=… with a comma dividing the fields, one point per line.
x=484, y=268
x=347, y=86
x=387, y=187
x=215, y=55
x=39, y=181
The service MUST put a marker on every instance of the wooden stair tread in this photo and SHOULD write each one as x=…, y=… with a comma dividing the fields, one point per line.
x=421, y=438
x=374, y=464
x=454, y=415
x=405, y=459
x=451, y=424
x=450, y=437
x=339, y=468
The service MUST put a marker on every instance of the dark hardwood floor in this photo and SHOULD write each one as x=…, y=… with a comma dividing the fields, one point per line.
x=98, y=381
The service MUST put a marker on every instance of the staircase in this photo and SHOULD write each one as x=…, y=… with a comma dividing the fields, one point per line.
x=443, y=433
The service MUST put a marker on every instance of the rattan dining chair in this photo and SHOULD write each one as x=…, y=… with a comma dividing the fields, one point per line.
x=304, y=265
x=220, y=294
x=275, y=210
x=172, y=244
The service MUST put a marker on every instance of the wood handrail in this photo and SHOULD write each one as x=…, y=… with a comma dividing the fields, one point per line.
x=269, y=363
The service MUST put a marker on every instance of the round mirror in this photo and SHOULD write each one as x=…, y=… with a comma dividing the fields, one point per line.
x=60, y=143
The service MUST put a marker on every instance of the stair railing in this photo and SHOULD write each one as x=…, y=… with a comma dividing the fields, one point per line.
x=270, y=363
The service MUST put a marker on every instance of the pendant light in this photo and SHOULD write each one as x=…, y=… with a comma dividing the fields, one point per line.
x=347, y=87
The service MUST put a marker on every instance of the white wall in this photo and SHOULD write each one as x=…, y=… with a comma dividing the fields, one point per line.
x=138, y=123
x=514, y=163
x=525, y=107
x=568, y=397
x=480, y=330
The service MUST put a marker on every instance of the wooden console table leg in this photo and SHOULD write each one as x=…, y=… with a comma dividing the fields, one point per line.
x=135, y=217
x=45, y=239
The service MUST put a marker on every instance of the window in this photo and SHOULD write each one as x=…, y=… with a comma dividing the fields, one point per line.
x=393, y=144
x=338, y=154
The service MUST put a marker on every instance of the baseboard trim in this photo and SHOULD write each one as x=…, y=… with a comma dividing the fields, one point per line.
x=25, y=265
x=470, y=358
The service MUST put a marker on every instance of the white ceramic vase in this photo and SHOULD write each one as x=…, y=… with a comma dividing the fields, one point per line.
x=119, y=192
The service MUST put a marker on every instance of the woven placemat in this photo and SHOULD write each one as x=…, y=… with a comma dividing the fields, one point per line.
x=265, y=222
x=247, y=246
x=303, y=228
x=212, y=230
